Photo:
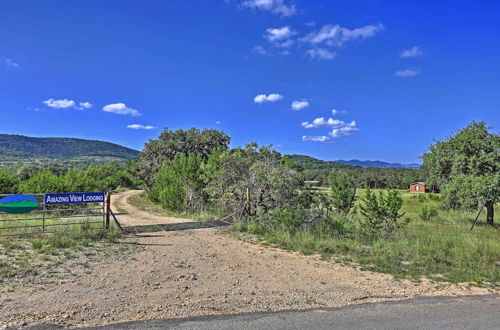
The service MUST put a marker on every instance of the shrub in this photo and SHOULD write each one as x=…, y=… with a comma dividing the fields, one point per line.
x=178, y=186
x=342, y=191
x=8, y=183
x=291, y=218
x=427, y=213
x=381, y=213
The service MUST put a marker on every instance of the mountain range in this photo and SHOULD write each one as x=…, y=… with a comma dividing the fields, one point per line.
x=311, y=163
x=22, y=149
x=19, y=148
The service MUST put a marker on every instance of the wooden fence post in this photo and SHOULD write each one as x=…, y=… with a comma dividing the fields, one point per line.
x=108, y=209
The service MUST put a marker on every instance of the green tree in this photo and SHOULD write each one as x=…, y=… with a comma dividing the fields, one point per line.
x=8, y=182
x=381, y=213
x=169, y=144
x=342, y=191
x=179, y=184
x=466, y=168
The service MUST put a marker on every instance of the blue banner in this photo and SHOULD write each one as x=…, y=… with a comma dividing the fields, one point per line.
x=74, y=198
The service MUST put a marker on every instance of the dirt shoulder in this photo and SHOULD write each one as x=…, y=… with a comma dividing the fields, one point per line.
x=200, y=272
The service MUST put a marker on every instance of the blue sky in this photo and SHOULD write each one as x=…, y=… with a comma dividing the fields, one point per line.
x=397, y=73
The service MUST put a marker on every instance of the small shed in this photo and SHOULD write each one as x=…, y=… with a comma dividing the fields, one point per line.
x=417, y=187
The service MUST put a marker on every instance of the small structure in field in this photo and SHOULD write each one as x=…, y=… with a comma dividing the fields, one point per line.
x=417, y=187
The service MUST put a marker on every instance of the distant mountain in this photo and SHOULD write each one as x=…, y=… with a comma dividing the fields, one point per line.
x=311, y=163
x=18, y=148
x=376, y=163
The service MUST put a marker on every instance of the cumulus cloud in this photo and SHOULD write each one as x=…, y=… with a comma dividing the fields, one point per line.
x=280, y=37
x=121, y=109
x=59, y=104
x=407, y=73
x=84, y=105
x=339, y=127
x=336, y=35
x=263, y=98
x=65, y=104
x=9, y=63
x=321, y=42
x=321, y=54
x=260, y=50
x=277, y=7
x=412, y=52
x=342, y=131
x=137, y=126
x=321, y=121
x=321, y=138
x=338, y=112
x=299, y=105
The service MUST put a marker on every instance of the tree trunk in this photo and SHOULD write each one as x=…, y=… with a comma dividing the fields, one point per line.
x=490, y=211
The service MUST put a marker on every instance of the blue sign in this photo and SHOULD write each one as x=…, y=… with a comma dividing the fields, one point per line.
x=74, y=198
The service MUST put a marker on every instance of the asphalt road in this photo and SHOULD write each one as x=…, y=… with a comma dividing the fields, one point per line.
x=471, y=312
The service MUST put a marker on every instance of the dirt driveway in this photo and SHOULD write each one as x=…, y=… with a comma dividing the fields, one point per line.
x=199, y=272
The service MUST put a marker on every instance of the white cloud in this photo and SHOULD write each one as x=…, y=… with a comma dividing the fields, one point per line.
x=407, y=73
x=280, y=37
x=278, y=7
x=342, y=131
x=65, y=104
x=121, y=109
x=263, y=98
x=84, y=105
x=338, y=112
x=218, y=122
x=260, y=50
x=412, y=52
x=317, y=122
x=322, y=40
x=339, y=127
x=137, y=126
x=336, y=35
x=60, y=104
x=299, y=105
x=321, y=138
x=9, y=63
x=321, y=54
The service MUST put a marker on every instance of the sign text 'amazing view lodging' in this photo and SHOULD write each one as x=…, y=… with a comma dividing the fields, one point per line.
x=74, y=198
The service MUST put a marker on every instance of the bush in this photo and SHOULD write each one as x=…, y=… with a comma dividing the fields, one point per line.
x=342, y=191
x=381, y=213
x=427, y=213
x=291, y=218
x=8, y=183
x=178, y=186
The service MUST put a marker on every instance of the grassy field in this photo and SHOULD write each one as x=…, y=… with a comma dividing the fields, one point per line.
x=438, y=246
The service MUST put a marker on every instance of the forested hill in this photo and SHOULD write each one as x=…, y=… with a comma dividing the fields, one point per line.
x=363, y=176
x=311, y=163
x=18, y=148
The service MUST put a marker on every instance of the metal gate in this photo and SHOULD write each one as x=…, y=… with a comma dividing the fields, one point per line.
x=33, y=214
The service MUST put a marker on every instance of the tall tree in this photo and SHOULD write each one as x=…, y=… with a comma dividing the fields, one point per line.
x=173, y=143
x=466, y=168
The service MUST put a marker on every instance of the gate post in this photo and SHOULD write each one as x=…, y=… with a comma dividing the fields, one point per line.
x=108, y=209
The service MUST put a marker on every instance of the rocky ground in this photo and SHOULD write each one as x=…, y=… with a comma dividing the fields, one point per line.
x=199, y=272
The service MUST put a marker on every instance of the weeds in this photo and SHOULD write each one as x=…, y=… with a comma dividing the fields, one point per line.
x=26, y=256
x=442, y=250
